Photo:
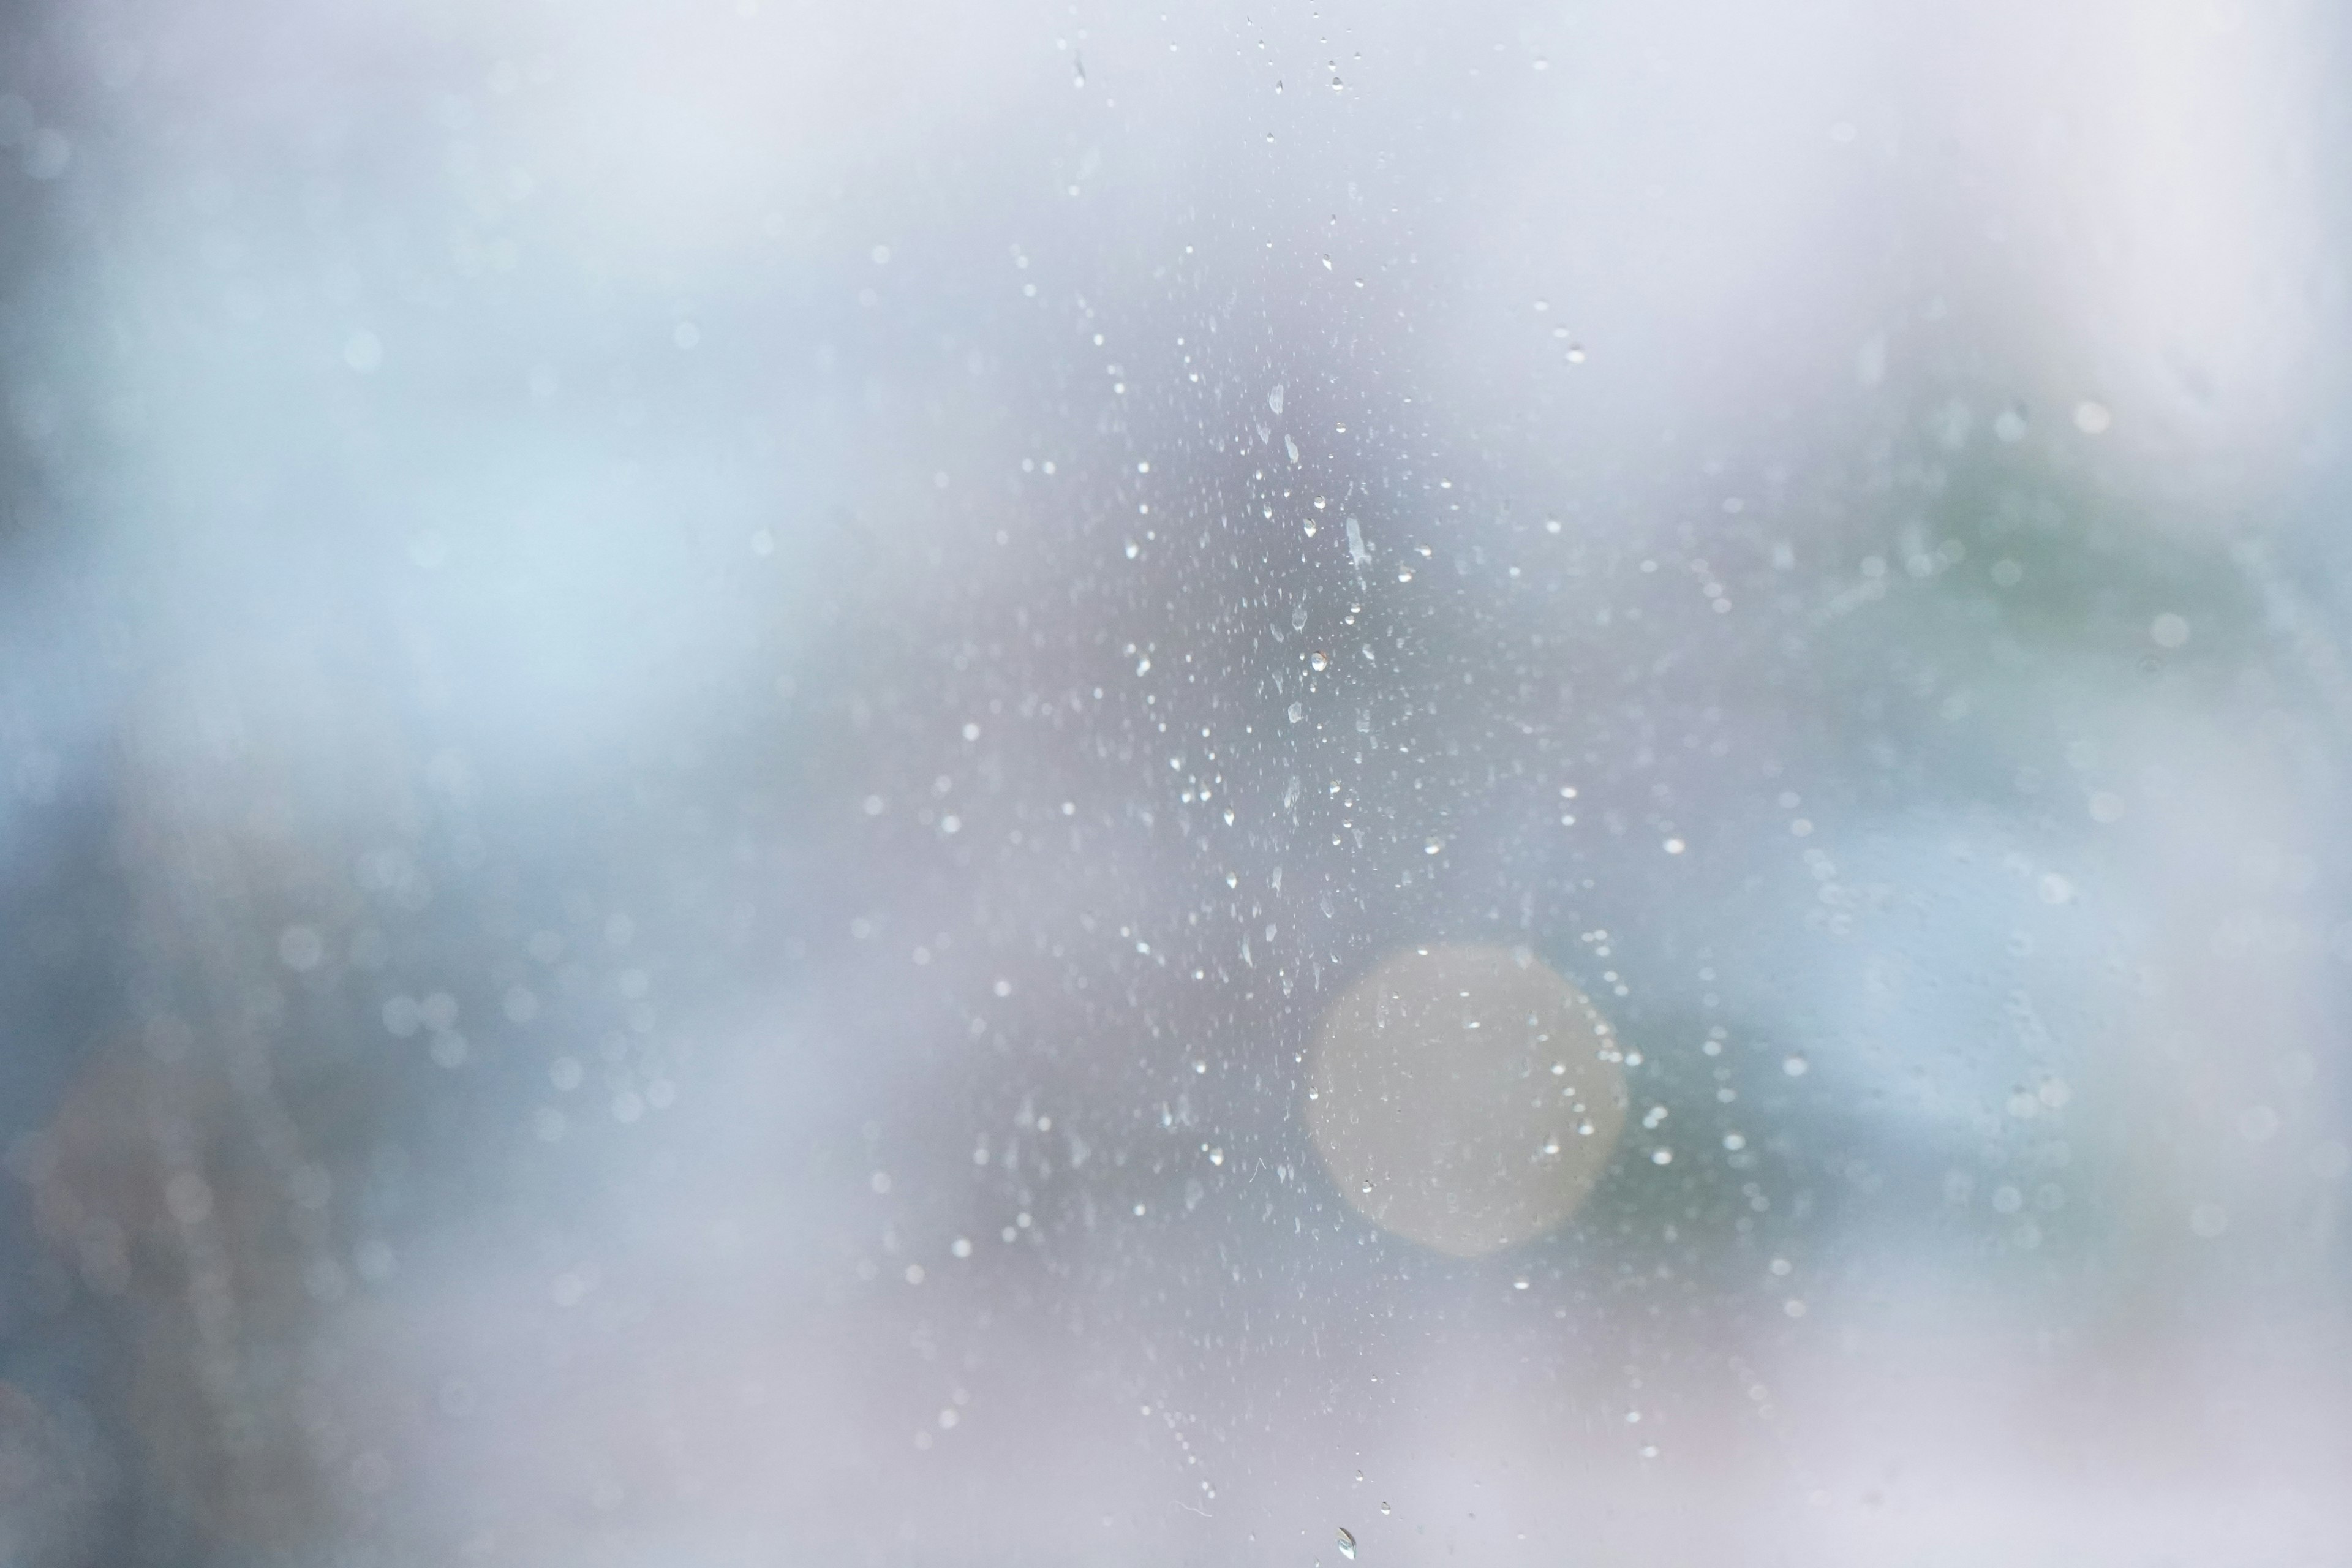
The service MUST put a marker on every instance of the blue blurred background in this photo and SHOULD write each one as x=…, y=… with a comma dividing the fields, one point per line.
x=700, y=702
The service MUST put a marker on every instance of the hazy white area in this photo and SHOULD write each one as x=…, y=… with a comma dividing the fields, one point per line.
x=724, y=727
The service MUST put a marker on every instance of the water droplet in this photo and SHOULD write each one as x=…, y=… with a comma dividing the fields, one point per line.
x=1384, y=1508
x=1291, y=446
x=1298, y=712
x=1319, y=660
x=1346, y=1545
x=1274, y=398
x=1433, y=847
x=1795, y=1066
x=1575, y=353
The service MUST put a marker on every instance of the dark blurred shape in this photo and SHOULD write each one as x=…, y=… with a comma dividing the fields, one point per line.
x=53, y=1485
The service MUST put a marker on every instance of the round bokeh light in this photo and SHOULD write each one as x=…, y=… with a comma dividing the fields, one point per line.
x=1465, y=1098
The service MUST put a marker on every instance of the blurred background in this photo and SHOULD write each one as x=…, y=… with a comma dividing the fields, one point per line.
x=720, y=719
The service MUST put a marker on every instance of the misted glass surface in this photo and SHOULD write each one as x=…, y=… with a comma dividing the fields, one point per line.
x=794, y=783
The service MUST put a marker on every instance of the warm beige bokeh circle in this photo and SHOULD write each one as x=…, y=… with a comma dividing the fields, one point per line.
x=1465, y=1098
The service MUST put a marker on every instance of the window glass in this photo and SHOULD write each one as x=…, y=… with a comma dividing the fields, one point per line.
x=1284, y=783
